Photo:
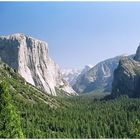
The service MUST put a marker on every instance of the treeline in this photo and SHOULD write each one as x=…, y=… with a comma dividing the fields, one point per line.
x=81, y=117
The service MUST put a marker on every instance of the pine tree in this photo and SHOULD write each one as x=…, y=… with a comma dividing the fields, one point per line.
x=135, y=132
x=10, y=126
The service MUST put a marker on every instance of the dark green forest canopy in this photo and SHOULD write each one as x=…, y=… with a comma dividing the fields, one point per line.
x=82, y=118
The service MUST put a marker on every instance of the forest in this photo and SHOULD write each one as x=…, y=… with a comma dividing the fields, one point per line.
x=77, y=117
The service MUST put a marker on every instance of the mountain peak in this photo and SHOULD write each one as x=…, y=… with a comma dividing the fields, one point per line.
x=88, y=66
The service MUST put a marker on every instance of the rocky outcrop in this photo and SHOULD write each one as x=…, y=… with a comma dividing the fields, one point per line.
x=126, y=78
x=30, y=58
x=98, y=77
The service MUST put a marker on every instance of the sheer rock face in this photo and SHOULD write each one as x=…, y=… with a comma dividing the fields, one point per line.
x=127, y=78
x=30, y=57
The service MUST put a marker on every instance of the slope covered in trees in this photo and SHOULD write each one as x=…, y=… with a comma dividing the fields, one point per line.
x=82, y=118
x=39, y=115
x=10, y=125
x=23, y=91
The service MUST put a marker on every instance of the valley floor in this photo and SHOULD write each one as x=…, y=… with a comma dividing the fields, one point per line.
x=82, y=117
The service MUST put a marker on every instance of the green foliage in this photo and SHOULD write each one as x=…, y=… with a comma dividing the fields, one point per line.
x=10, y=125
x=83, y=117
x=135, y=131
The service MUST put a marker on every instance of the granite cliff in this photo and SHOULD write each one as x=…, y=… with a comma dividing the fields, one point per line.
x=127, y=77
x=29, y=56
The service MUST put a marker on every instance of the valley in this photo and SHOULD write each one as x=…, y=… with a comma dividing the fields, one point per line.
x=69, y=70
x=81, y=117
x=101, y=101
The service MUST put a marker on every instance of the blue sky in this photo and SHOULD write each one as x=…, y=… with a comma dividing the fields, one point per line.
x=78, y=33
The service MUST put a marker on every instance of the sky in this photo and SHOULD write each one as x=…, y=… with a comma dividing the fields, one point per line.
x=78, y=33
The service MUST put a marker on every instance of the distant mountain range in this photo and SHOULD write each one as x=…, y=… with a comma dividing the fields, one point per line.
x=98, y=77
x=71, y=75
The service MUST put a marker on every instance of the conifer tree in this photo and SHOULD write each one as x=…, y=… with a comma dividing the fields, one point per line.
x=10, y=125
